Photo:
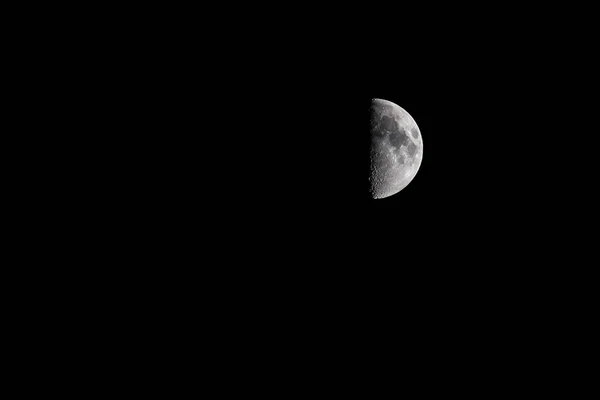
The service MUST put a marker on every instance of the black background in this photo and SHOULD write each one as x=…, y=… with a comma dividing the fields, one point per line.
x=262, y=132
x=244, y=143
x=215, y=171
x=275, y=203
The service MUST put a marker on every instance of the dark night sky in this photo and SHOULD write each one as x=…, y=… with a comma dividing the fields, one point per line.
x=225, y=178
x=274, y=151
x=232, y=170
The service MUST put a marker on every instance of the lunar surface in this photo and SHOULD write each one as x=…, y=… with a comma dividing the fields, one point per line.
x=396, y=148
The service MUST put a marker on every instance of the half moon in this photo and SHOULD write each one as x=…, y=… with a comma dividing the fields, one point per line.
x=396, y=148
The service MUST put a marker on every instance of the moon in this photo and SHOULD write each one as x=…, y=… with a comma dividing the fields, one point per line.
x=396, y=149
